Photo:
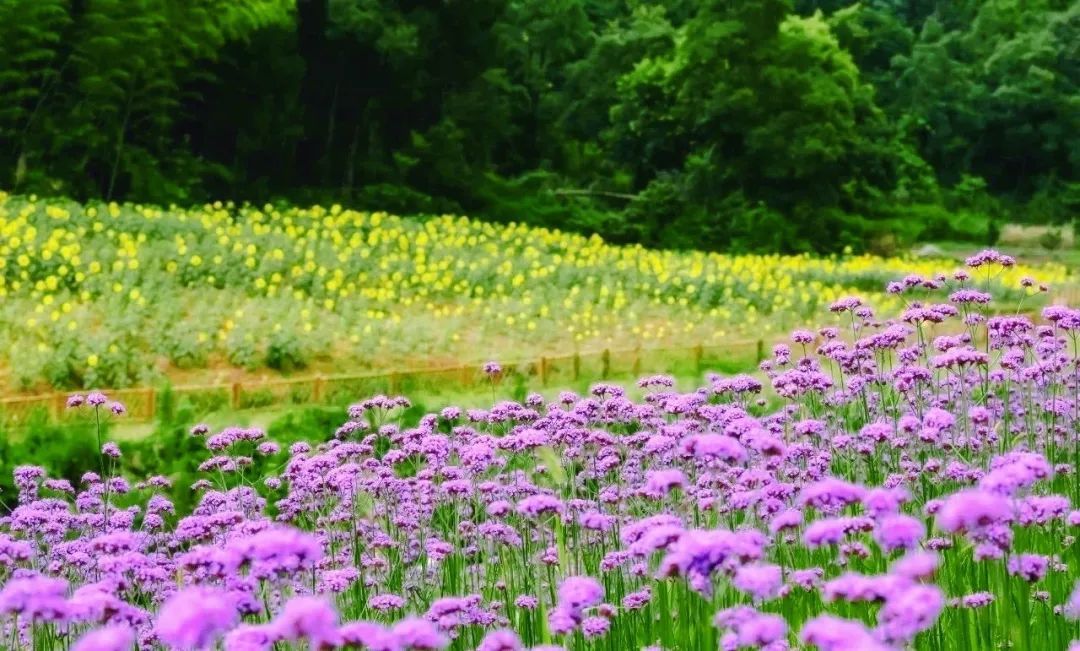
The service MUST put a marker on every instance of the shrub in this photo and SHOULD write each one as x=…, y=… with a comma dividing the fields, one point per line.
x=285, y=352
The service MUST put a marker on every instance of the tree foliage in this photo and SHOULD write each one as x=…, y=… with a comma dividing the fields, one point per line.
x=751, y=124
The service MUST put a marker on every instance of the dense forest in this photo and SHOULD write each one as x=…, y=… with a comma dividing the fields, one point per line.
x=725, y=124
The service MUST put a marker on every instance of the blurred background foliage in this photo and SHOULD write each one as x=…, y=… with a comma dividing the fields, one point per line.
x=781, y=125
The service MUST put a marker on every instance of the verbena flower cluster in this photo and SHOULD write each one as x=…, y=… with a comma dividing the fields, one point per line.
x=882, y=484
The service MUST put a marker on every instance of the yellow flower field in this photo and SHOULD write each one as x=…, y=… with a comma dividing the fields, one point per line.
x=111, y=295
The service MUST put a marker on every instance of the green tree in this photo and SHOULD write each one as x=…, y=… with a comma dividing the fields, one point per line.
x=758, y=123
x=755, y=104
x=31, y=65
x=996, y=97
x=98, y=87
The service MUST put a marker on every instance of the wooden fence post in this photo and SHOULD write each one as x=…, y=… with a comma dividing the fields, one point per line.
x=56, y=402
x=59, y=403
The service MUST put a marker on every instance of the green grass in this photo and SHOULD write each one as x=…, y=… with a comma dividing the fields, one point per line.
x=163, y=445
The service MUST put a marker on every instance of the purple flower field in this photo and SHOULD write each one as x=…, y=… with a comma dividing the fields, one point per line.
x=886, y=482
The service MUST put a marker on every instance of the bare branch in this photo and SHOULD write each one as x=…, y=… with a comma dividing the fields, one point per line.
x=597, y=193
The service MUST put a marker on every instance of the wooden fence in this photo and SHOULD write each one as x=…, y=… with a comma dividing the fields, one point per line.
x=546, y=371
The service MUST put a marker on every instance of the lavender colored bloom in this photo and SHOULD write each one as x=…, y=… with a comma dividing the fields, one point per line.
x=971, y=510
x=989, y=256
x=596, y=521
x=109, y=638
x=829, y=633
x=1071, y=609
x=369, y=636
x=656, y=381
x=960, y=357
x=562, y=621
x=638, y=599
x=829, y=531
x=988, y=551
x=1012, y=472
x=854, y=587
x=538, y=505
x=660, y=482
x=268, y=448
x=759, y=581
x=578, y=592
x=761, y=630
x=595, y=626
x=247, y=637
x=277, y=550
x=715, y=447
x=386, y=602
x=830, y=494
x=1030, y=567
x=503, y=640
x=698, y=553
x=310, y=619
x=35, y=598
x=194, y=618
x=909, y=612
x=807, y=579
x=789, y=519
x=899, y=532
x=977, y=600
x=846, y=304
x=884, y=501
x=526, y=602
x=916, y=565
x=970, y=296
x=419, y=635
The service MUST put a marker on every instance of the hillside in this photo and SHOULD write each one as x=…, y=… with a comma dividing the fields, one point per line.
x=111, y=295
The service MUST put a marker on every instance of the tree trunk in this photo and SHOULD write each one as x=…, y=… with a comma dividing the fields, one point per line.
x=350, y=162
x=331, y=124
x=120, y=139
x=312, y=18
x=20, y=170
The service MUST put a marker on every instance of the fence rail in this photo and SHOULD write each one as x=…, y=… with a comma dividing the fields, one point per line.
x=557, y=370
